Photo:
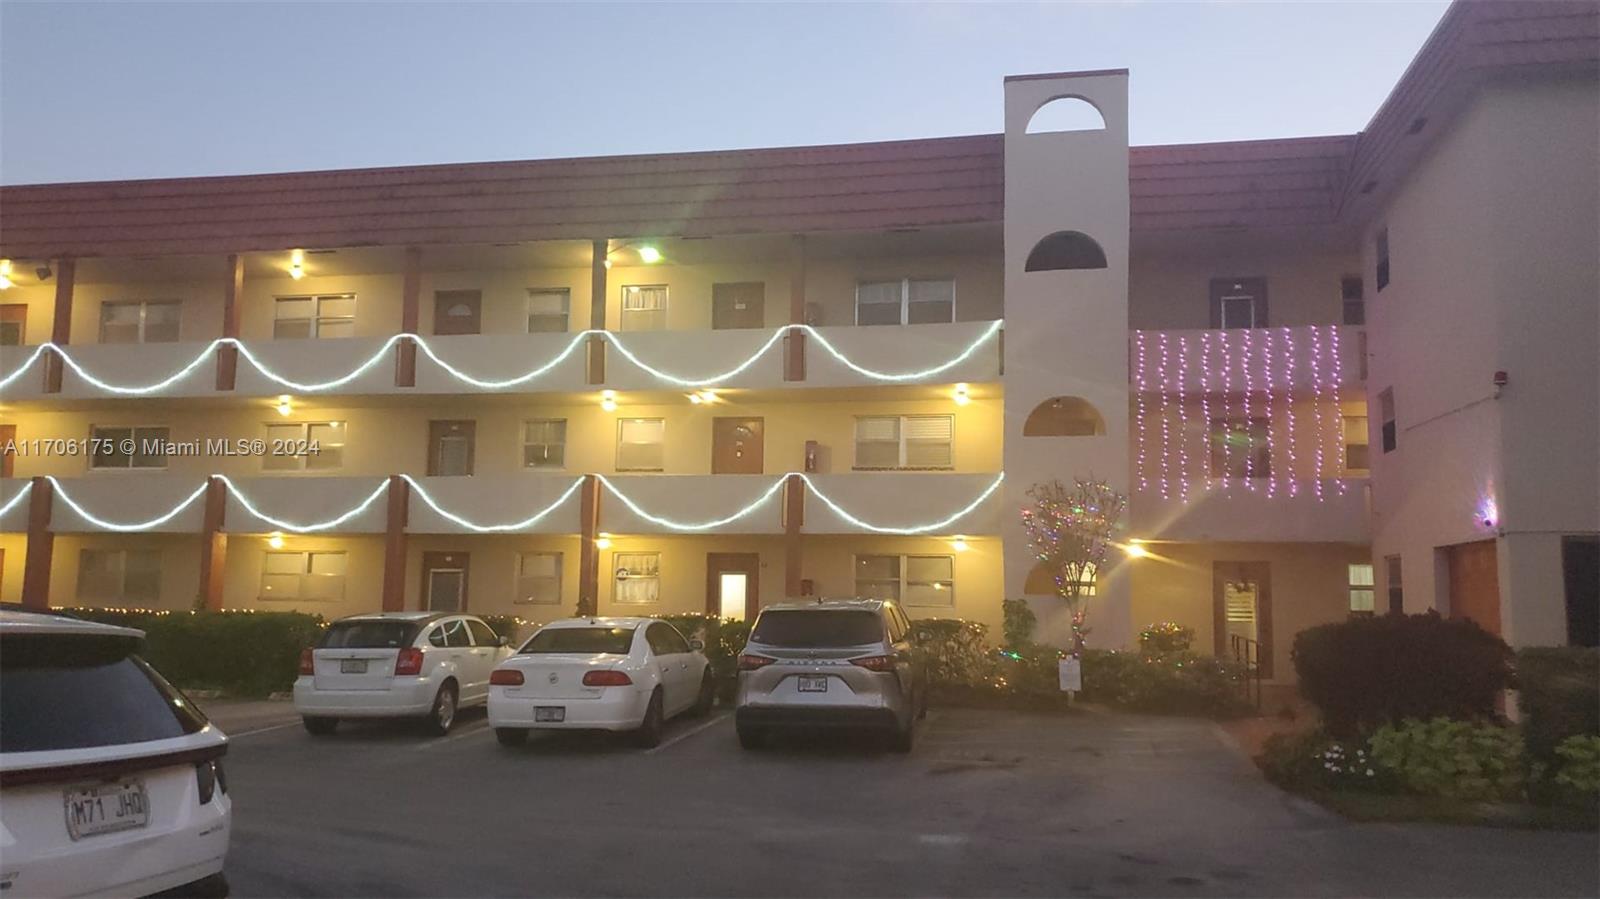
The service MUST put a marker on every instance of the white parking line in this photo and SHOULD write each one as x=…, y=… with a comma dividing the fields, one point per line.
x=468, y=731
x=261, y=730
x=688, y=733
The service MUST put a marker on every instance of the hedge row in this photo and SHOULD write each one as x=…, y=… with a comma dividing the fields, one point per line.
x=239, y=653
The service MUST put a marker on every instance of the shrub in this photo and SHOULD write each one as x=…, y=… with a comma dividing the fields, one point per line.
x=1579, y=769
x=1453, y=759
x=241, y=653
x=1371, y=671
x=956, y=652
x=724, y=639
x=1167, y=638
x=1559, y=699
x=1312, y=760
x=1017, y=622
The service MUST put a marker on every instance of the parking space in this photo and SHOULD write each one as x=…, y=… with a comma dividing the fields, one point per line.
x=988, y=803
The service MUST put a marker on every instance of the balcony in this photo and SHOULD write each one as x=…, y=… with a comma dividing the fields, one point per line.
x=891, y=349
x=897, y=500
x=127, y=498
x=14, y=518
x=492, y=501
x=1294, y=512
x=666, y=502
x=1304, y=359
x=356, y=504
x=693, y=356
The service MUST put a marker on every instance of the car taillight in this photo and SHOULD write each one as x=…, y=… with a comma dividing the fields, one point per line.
x=409, y=661
x=205, y=774
x=606, y=679
x=875, y=663
x=748, y=662
x=306, y=665
x=505, y=677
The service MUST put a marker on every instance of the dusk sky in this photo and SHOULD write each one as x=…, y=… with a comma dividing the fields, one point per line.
x=111, y=91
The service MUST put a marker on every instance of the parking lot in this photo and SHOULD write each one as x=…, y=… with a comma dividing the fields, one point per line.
x=988, y=803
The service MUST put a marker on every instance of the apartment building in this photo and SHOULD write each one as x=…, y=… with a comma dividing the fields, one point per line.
x=1335, y=375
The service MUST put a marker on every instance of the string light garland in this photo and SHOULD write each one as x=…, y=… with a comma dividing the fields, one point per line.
x=1166, y=439
x=379, y=356
x=1205, y=402
x=1139, y=391
x=124, y=527
x=27, y=487
x=522, y=525
x=1287, y=361
x=1249, y=482
x=1316, y=392
x=930, y=527
x=1227, y=410
x=671, y=524
x=1266, y=390
x=1338, y=378
x=1183, y=423
x=312, y=528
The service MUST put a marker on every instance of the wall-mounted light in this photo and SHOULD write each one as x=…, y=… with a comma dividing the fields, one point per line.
x=696, y=399
x=649, y=255
x=962, y=395
x=608, y=400
x=959, y=544
x=603, y=541
x=1135, y=549
x=5, y=274
x=1488, y=513
x=275, y=540
x=297, y=264
x=707, y=396
x=284, y=406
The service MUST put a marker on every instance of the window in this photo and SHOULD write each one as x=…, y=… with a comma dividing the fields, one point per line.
x=369, y=634
x=1238, y=302
x=1363, y=593
x=1355, y=443
x=482, y=634
x=333, y=315
x=1239, y=449
x=817, y=628
x=455, y=633
x=665, y=640
x=311, y=576
x=641, y=444
x=644, y=307
x=587, y=640
x=112, y=447
x=905, y=441
x=544, y=443
x=638, y=577
x=1391, y=568
x=1355, y=304
x=1386, y=410
x=13, y=324
x=908, y=301
x=304, y=446
x=539, y=578
x=1381, y=251
x=139, y=321
x=548, y=309
x=120, y=575
x=913, y=580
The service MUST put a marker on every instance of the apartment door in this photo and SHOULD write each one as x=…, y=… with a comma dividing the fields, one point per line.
x=450, y=447
x=1238, y=302
x=1475, y=583
x=8, y=449
x=457, y=311
x=1241, y=596
x=738, y=305
x=444, y=581
x=13, y=324
x=732, y=582
x=737, y=445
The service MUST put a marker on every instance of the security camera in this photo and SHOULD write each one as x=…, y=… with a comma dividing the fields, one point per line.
x=43, y=272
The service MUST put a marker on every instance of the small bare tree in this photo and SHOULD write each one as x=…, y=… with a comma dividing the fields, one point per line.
x=1069, y=530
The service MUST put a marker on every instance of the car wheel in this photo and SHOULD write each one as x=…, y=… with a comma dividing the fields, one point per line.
x=318, y=726
x=649, y=733
x=707, y=697
x=444, y=711
x=902, y=740
x=751, y=737
x=511, y=736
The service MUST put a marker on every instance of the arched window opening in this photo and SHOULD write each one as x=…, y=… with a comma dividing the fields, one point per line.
x=1065, y=416
x=1066, y=114
x=1065, y=250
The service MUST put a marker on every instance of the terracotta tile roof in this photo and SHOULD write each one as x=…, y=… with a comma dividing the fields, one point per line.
x=1239, y=184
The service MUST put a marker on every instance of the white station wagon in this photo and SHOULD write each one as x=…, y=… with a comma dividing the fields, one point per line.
x=397, y=665
x=618, y=674
x=111, y=782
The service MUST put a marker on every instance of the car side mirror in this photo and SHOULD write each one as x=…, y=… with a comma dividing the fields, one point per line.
x=502, y=641
x=697, y=645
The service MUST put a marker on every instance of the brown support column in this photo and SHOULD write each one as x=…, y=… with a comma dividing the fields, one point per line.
x=405, y=360
x=41, y=543
x=214, y=546
x=232, y=296
x=794, y=342
x=588, y=551
x=597, y=311
x=394, y=545
x=794, y=515
x=61, y=327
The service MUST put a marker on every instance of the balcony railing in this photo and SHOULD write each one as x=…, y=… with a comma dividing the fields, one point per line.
x=891, y=502
x=1302, y=359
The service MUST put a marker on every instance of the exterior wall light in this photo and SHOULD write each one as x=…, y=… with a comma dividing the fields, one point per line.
x=284, y=406
x=5, y=274
x=608, y=400
x=297, y=264
x=649, y=255
x=603, y=541
x=962, y=397
x=275, y=540
x=959, y=544
x=1136, y=550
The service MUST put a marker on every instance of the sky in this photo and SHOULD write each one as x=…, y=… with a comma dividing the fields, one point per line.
x=102, y=91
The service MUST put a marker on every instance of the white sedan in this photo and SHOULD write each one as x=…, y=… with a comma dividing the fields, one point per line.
x=617, y=674
x=111, y=782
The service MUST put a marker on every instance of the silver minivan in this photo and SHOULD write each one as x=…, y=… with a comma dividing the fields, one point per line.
x=830, y=663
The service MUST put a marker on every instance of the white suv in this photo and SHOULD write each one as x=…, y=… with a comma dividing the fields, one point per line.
x=111, y=781
x=396, y=665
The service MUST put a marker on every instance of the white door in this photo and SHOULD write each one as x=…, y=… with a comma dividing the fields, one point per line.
x=731, y=594
x=486, y=653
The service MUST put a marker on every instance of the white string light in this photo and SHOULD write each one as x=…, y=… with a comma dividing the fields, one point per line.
x=690, y=526
x=103, y=524
x=508, y=382
x=27, y=487
x=992, y=330
x=697, y=382
x=916, y=529
x=294, y=528
x=522, y=525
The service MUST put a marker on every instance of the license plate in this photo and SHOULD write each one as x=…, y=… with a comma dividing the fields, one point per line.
x=106, y=808
x=813, y=683
x=352, y=666
x=553, y=713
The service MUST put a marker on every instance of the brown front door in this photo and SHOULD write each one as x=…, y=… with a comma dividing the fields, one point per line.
x=8, y=449
x=738, y=305
x=732, y=582
x=1241, y=596
x=444, y=582
x=450, y=447
x=457, y=311
x=736, y=445
x=13, y=324
x=1475, y=583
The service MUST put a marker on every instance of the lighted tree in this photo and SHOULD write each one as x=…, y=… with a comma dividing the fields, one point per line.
x=1069, y=531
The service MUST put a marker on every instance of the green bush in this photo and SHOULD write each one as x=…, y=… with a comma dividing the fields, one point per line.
x=240, y=653
x=1559, y=698
x=1371, y=671
x=1579, y=769
x=1017, y=622
x=1313, y=760
x=956, y=652
x=1454, y=759
x=724, y=639
x=1168, y=638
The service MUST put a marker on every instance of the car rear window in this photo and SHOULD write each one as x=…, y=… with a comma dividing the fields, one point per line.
x=817, y=628
x=60, y=691
x=618, y=640
x=368, y=635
